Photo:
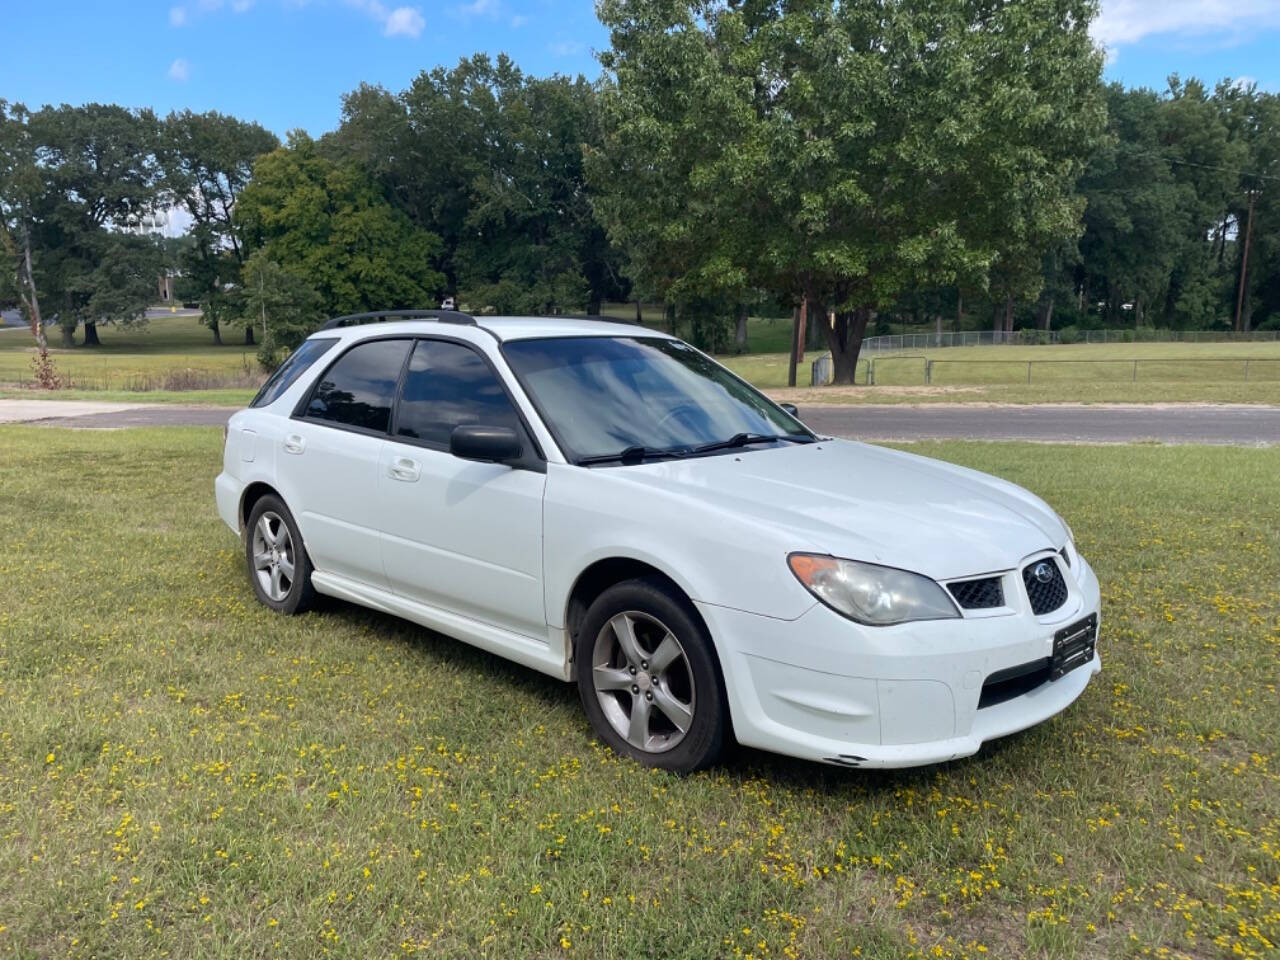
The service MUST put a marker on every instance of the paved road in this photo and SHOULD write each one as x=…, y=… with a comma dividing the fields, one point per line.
x=1239, y=424
x=1066, y=423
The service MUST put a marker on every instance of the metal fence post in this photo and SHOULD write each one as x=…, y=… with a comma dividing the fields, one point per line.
x=1135, y=372
x=928, y=372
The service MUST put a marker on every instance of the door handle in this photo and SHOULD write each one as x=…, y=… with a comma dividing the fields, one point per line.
x=294, y=443
x=402, y=468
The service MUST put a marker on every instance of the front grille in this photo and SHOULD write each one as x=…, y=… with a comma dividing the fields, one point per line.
x=1045, y=595
x=978, y=594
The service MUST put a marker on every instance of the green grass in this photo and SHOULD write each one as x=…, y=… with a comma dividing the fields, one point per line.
x=1167, y=373
x=167, y=354
x=183, y=773
x=218, y=396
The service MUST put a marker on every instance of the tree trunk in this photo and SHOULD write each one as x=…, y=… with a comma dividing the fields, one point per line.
x=248, y=337
x=46, y=376
x=815, y=337
x=938, y=339
x=91, y=334
x=1008, y=317
x=1137, y=313
x=593, y=305
x=639, y=315
x=845, y=340
x=997, y=321
x=669, y=312
x=740, y=333
x=1044, y=312
x=217, y=333
x=68, y=335
x=959, y=310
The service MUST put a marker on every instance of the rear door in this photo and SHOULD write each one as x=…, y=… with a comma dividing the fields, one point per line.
x=330, y=455
x=460, y=535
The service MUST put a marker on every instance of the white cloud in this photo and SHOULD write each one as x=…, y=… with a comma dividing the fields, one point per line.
x=177, y=16
x=240, y=6
x=179, y=70
x=404, y=22
x=479, y=8
x=566, y=48
x=400, y=22
x=1123, y=22
x=518, y=21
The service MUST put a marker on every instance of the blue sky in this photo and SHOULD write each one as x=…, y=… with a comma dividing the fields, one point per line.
x=285, y=63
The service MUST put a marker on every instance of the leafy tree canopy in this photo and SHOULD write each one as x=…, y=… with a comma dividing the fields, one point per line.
x=843, y=151
x=328, y=224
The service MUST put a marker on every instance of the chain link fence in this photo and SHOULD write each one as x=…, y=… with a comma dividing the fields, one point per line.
x=1132, y=369
x=897, y=342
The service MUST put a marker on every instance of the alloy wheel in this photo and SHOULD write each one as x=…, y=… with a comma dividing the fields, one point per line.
x=273, y=556
x=643, y=681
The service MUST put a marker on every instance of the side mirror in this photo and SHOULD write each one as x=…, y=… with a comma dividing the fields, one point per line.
x=489, y=444
x=791, y=408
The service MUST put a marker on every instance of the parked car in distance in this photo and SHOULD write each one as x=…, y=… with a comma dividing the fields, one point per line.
x=606, y=504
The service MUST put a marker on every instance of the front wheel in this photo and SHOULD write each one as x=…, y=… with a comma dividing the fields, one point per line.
x=648, y=677
x=279, y=567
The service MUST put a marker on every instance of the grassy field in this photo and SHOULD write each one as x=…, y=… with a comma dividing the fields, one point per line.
x=183, y=773
x=174, y=360
x=168, y=354
x=1167, y=372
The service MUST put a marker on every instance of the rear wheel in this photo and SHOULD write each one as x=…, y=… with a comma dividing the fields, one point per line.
x=279, y=568
x=648, y=677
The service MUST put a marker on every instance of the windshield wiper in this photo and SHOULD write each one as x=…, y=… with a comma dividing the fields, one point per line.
x=634, y=454
x=743, y=439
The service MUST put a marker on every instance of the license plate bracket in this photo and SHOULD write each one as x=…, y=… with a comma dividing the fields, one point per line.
x=1073, y=646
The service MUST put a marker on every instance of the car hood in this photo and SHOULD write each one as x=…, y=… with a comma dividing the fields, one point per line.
x=867, y=503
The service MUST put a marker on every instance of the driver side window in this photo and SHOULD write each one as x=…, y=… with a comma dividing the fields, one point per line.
x=448, y=385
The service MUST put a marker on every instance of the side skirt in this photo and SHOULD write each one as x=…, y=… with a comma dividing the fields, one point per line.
x=543, y=657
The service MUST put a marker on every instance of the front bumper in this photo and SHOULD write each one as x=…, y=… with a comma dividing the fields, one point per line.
x=824, y=688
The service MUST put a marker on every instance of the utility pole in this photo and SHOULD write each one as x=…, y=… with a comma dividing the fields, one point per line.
x=1244, y=260
x=797, y=340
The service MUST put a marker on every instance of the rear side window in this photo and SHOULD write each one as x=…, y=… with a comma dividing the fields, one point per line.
x=295, y=366
x=449, y=385
x=358, y=390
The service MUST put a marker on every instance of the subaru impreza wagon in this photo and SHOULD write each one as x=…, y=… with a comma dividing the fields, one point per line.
x=608, y=505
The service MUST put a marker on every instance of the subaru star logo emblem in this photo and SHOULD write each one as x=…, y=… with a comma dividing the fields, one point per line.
x=1042, y=571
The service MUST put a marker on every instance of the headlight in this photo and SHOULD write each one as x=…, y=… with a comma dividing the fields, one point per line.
x=869, y=593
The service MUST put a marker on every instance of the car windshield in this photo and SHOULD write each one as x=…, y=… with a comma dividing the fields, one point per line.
x=635, y=398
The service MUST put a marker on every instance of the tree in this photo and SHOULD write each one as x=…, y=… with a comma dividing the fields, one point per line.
x=508, y=197
x=327, y=224
x=20, y=186
x=847, y=152
x=282, y=307
x=207, y=161
x=99, y=180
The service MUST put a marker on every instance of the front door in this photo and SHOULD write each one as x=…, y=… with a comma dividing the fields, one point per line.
x=460, y=535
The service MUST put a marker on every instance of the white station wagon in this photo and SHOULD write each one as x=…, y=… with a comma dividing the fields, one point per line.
x=605, y=503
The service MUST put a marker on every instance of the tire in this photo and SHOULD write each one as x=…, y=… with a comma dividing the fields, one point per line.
x=278, y=565
x=683, y=710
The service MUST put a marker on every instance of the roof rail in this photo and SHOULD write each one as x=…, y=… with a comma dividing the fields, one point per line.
x=378, y=316
x=592, y=316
